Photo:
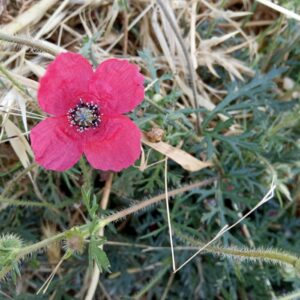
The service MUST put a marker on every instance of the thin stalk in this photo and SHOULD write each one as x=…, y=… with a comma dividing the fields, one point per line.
x=246, y=254
x=30, y=249
x=96, y=271
x=103, y=222
x=257, y=254
x=123, y=213
x=24, y=203
x=42, y=244
x=37, y=44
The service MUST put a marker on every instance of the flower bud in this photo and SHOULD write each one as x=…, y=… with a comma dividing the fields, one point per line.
x=75, y=241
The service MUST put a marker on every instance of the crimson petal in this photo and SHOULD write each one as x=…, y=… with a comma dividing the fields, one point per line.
x=65, y=82
x=118, y=86
x=115, y=145
x=55, y=144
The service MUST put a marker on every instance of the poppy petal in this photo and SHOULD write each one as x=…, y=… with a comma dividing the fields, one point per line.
x=116, y=145
x=65, y=82
x=118, y=86
x=55, y=144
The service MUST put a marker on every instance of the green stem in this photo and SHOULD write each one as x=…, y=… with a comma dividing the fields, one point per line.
x=256, y=254
x=87, y=174
x=140, y=206
x=103, y=222
x=24, y=203
x=40, y=245
x=246, y=254
x=30, y=249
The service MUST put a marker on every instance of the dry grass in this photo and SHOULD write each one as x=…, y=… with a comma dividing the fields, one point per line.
x=122, y=28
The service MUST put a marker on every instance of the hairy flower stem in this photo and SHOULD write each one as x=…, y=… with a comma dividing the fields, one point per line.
x=86, y=173
x=96, y=271
x=267, y=255
x=37, y=44
x=42, y=244
x=258, y=254
x=84, y=229
x=30, y=249
x=246, y=254
x=4, y=202
x=154, y=200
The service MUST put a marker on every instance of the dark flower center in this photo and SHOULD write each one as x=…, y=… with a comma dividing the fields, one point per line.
x=84, y=115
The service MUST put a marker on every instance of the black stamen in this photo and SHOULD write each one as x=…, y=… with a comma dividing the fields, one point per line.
x=84, y=116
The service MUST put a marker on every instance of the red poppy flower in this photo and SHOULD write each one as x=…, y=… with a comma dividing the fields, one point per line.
x=86, y=109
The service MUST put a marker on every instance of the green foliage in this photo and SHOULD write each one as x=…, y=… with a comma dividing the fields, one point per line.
x=97, y=254
x=10, y=246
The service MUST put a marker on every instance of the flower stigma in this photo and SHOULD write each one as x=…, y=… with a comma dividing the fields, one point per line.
x=84, y=115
